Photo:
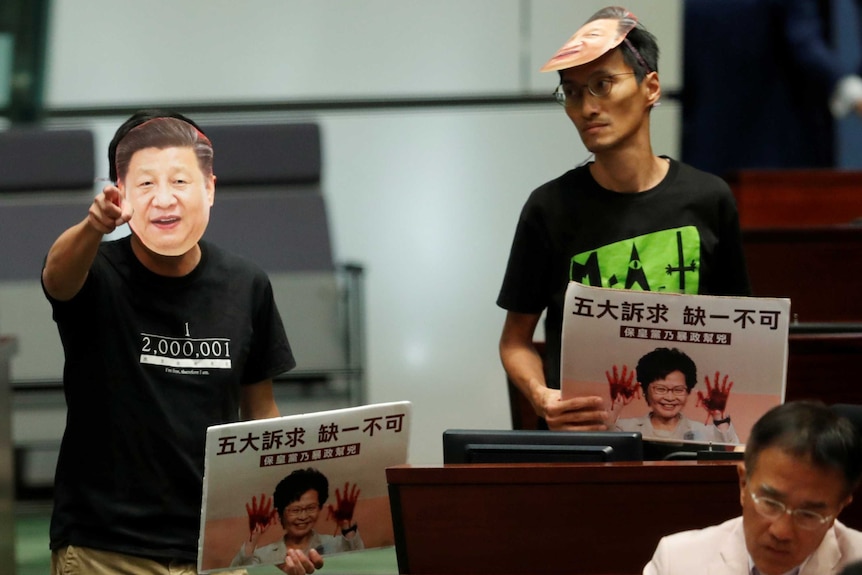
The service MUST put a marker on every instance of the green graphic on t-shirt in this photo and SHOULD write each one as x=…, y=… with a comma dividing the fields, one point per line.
x=668, y=260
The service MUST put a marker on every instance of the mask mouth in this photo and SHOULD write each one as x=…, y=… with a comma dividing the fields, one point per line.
x=165, y=221
x=166, y=235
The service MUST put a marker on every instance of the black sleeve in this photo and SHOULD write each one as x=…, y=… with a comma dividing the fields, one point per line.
x=526, y=283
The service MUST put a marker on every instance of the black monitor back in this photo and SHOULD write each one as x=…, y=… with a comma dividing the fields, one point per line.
x=540, y=446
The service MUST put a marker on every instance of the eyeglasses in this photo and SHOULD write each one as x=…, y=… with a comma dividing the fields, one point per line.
x=665, y=390
x=598, y=86
x=803, y=518
x=297, y=511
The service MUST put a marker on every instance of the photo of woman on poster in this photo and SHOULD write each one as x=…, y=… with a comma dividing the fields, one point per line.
x=665, y=377
x=296, y=505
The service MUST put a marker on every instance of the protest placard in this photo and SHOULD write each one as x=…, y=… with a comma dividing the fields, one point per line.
x=691, y=368
x=314, y=480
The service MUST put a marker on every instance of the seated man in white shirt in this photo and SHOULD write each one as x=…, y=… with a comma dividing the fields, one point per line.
x=802, y=464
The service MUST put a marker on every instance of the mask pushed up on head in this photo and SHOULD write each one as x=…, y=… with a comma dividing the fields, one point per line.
x=604, y=31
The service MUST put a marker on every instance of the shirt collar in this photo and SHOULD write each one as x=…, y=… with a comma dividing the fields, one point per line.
x=753, y=570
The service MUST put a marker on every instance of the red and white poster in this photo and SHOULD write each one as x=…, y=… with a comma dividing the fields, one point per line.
x=690, y=368
x=314, y=480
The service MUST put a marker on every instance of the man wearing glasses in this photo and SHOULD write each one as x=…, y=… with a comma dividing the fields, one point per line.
x=802, y=464
x=627, y=219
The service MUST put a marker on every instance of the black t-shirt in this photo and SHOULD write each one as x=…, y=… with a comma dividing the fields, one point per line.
x=681, y=236
x=151, y=362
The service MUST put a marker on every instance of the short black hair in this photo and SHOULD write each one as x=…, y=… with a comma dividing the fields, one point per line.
x=643, y=43
x=639, y=49
x=662, y=361
x=292, y=487
x=135, y=120
x=810, y=430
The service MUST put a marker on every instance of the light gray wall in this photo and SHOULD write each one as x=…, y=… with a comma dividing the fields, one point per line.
x=426, y=199
x=104, y=52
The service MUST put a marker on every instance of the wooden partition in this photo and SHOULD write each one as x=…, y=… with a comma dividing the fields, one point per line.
x=818, y=268
x=554, y=518
x=823, y=363
x=545, y=519
x=797, y=198
x=802, y=236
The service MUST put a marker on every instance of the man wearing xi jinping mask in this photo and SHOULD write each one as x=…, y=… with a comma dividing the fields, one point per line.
x=164, y=335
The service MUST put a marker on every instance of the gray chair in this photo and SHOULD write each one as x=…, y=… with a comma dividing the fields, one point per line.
x=46, y=184
x=40, y=160
x=269, y=207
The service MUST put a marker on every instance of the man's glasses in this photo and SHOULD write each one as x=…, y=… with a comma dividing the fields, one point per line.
x=665, y=390
x=298, y=511
x=803, y=518
x=599, y=86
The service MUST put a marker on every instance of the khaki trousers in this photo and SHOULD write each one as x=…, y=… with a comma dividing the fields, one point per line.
x=73, y=560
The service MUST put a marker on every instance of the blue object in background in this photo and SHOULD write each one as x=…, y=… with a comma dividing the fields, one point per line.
x=847, y=23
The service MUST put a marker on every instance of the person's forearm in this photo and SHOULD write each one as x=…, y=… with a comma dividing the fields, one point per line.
x=524, y=367
x=69, y=260
x=257, y=401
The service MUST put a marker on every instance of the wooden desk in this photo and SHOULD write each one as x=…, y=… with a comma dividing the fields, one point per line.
x=824, y=366
x=576, y=519
x=550, y=518
x=816, y=267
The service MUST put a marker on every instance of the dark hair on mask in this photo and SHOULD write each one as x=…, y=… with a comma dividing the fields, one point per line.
x=138, y=118
x=639, y=48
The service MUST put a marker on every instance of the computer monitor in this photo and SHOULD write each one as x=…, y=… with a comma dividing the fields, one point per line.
x=540, y=446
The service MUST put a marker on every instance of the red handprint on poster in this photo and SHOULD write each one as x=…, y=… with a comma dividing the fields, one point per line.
x=715, y=400
x=260, y=513
x=622, y=385
x=342, y=511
